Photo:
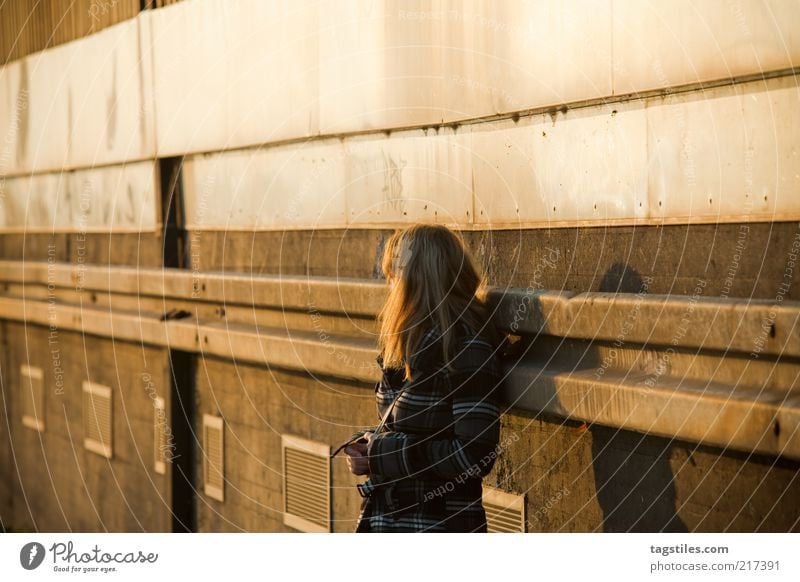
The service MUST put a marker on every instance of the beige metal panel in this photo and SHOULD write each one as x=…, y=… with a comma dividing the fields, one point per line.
x=297, y=186
x=652, y=161
x=110, y=105
x=586, y=166
x=662, y=44
x=32, y=202
x=726, y=152
x=272, y=55
x=376, y=180
x=146, y=116
x=502, y=56
x=42, y=142
x=232, y=74
x=380, y=67
x=76, y=105
x=190, y=78
x=14, y=108
x=106, y=199
x=398, y=64
x=410, y=177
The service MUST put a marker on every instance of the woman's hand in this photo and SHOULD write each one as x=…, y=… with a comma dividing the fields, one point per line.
x=357, y=460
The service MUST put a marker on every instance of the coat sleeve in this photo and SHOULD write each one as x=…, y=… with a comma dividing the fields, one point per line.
x=470, y=449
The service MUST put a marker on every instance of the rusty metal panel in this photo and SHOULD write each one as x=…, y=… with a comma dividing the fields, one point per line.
x=725, y=154
x=298, y=186
x=80, y=104
x=110, y=105
x=662, y=44
x=106, y=199
x=549, y=170
x=362, y=181
x=42, y=139
x=410, y=177
x=13, y=117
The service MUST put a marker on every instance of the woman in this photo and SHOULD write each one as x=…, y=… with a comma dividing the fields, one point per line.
x=439, y=391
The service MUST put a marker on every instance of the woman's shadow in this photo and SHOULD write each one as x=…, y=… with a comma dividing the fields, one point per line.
x=633, y=479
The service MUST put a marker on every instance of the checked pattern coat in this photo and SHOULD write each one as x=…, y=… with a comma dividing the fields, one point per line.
x=440, y=439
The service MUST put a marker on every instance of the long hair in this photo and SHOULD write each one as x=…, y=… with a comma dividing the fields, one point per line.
x=433, y=283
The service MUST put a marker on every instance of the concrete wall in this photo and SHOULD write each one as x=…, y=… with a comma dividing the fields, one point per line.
x=6, y=454
x=58, y=485
x=258, y=406
x=576, y=478
x=733, y=260
x=600, y=479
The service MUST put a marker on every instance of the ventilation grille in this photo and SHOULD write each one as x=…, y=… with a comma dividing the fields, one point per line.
x=159, y=436
x=306, y=484
x=97, y=419
x=32, y=385
x=505, y=512
x=213, y=457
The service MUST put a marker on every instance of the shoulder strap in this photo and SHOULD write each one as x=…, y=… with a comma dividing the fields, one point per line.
x=389, y=408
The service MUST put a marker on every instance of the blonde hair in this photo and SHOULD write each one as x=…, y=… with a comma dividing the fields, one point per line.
x=435, y=283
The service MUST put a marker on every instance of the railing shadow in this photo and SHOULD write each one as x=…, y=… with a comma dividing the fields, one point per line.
x=634, y=484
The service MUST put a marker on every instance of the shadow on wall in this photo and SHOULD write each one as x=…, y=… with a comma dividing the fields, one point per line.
x=635, y=490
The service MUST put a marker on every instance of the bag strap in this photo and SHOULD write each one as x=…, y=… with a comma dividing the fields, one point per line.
x=385, y=417
x=377, y=429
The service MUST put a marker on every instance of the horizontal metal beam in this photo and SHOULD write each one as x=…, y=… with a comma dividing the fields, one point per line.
x=765, y=422
x=343, y=357
x=640, y=390
x=709, y=323
x=326, y=294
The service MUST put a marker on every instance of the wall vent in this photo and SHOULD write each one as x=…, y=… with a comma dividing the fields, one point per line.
x=505, y=512
x=213, y=457
x=32, y=385
x=306, y=484
x=159, y=436
x=97, y=419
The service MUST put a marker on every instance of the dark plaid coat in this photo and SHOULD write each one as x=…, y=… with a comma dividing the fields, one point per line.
x=440, y=439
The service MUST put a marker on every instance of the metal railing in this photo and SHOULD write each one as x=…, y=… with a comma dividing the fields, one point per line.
x=724, y=372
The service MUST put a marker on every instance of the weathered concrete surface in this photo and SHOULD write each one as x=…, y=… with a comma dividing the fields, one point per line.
x=259, y=405
x=575, y=479
x=6, y=454
x=57, y=484
x=580, y=478
x=133, y=249
x=732, y=260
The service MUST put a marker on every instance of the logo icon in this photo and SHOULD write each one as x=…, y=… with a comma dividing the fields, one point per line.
x=31, y=555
